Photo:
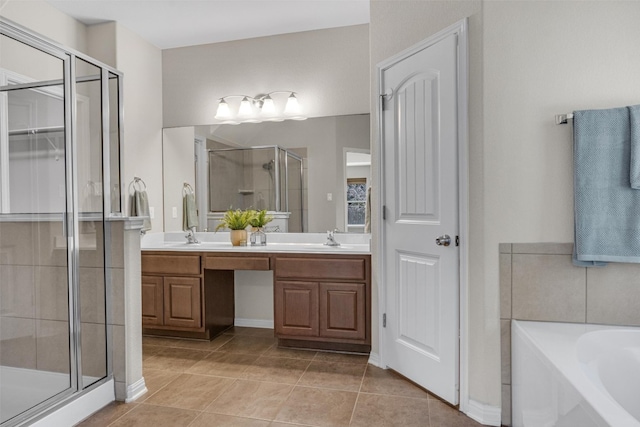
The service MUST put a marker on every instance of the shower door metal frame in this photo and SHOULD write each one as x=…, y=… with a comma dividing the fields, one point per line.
x=276, y=183
x=71, y=222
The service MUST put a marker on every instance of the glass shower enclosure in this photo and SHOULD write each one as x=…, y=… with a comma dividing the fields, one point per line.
x=268, y=177
x=60, y=115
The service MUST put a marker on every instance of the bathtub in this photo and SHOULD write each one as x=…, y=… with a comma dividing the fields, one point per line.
x=575, y=375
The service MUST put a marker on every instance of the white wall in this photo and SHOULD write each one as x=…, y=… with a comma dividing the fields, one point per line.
x=327, y=68
x=529, y=60
x=529, y=78
x=178, y=150
x=141, y=63
x=41, y=17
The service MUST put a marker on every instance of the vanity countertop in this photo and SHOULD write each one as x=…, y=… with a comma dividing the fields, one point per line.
x=312, y=243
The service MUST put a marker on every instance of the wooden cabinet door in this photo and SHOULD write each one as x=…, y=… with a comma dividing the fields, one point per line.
x=343, y=310
x=296, y=308
x=182, y=302
x=152, y=301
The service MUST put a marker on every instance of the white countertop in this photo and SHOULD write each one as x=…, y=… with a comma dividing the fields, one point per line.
x=313, y=243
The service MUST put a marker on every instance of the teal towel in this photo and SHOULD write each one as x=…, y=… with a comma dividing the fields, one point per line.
x=607, y=224
x=140, y=207
x=634, y=118
x=189, y=212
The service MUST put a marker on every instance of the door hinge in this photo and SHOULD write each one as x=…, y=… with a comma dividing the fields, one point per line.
x=384, y=212
x=457, y=240
x=384, y=320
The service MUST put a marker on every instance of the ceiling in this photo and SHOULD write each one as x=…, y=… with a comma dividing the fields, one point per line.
x=176, y=23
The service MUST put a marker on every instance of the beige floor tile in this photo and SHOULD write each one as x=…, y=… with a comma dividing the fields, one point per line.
x=279, y=424
x=155, y=380
x=190, y=392
x=290, y=353
x=279, y=370
x=158, y=341
x=326, y=356
x=175, y=359
x=385, y=381
x=108, y=414
x=149, y=350
x=156, y=416
x=247, y=345
x=443, y=415
x=230, y=365
x=251, y=399
x=318, y=407
x=218, y=420
x=341, y=376
x=252, y=332
x=374, y=410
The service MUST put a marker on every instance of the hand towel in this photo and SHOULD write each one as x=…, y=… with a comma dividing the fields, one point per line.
x=367, y=212
x=140, y=207
x=634, y=118
x=607, y=224
x=189, y=211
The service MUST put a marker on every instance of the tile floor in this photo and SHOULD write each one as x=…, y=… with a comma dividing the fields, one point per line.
x=241, y=379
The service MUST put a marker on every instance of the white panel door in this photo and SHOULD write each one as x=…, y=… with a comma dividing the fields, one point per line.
x=420, y=142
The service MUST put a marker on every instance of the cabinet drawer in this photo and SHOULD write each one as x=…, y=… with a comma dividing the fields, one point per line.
x=171, y=264
x=236, y=263
x=321, y=268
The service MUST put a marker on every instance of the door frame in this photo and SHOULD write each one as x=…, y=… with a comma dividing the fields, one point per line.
x=460, y=29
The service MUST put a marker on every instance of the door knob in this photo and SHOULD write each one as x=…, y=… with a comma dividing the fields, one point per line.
x=443, y=240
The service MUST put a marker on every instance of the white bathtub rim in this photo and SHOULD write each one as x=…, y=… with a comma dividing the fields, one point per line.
x=562, y=357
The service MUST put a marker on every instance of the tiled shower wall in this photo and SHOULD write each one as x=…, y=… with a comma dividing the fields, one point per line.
x=539, y=282
x=34, y=298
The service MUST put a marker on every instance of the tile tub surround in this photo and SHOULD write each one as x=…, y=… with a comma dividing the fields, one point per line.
x=539, y=282
x=256, y=384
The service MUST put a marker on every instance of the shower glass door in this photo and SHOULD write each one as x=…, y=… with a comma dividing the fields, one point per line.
x=36, y=329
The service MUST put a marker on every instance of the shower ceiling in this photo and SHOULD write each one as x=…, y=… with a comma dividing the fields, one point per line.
x=175, y=23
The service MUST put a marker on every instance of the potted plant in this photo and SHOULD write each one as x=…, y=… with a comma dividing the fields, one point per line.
x=257, y=222
x=237, y=221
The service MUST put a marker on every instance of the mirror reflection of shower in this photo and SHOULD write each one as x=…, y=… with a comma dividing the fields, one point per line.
x=268, y=178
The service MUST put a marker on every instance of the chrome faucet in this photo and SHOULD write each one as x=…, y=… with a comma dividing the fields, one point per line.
x=191, y=236
x=331, y=241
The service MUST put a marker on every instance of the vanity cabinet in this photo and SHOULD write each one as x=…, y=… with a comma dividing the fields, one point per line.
x=172, y=291
x=180, y=298
x=323, y=301
x=320, y=300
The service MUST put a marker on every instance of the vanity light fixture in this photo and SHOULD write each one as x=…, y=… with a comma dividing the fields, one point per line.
x=259, y=108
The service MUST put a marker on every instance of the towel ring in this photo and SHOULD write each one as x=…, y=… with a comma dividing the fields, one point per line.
x=187, y=189
x=137, y=185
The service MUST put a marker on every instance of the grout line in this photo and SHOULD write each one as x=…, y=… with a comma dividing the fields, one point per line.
x=355, y=405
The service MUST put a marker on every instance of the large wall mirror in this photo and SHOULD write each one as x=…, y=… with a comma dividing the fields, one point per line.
x=312, y=174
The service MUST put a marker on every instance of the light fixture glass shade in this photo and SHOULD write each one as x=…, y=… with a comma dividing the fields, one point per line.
x=293, y=107
x=268, y=107
x=245, y=109
x=223, y=112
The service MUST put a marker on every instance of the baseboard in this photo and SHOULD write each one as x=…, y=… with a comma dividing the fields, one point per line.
x=253, y=323
x=484, y=414
x=135, y=390
x=80, y=408
x=374, y=359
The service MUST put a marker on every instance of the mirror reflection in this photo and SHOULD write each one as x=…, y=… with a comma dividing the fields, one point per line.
x=311, y=175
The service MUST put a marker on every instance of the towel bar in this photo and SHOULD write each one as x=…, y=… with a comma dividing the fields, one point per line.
x=563, y=119
x=141, y=185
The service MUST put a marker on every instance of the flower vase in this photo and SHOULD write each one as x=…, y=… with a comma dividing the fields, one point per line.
x=238, y=237
x=258, y=237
